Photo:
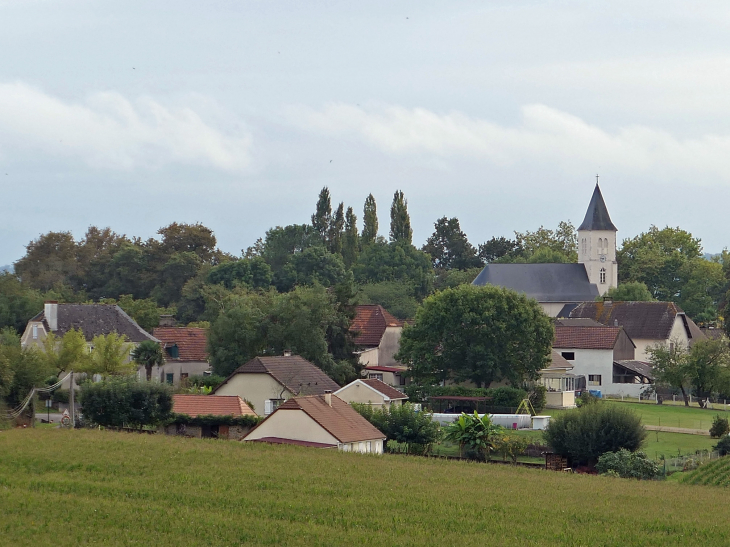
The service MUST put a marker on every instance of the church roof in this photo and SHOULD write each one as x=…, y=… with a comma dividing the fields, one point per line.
x=543, y=282
x=597, y=217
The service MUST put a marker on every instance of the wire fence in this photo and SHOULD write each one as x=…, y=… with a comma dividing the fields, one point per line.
x=688, y=462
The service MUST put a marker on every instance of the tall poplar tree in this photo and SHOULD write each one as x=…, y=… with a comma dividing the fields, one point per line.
x=323, y=216
x=400, y=222
x=350, y=239
x=370, y=221
x=337, y=224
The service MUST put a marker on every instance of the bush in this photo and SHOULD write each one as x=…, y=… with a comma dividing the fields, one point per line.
x=538, y=397
x=212, y=381
x=586, y=399
x=500, y=396
x=126, y=402
x=404, y=425
x=61, y=396
x=720, y=427
x=723, y=445
x=511, y=446
x=627, y=465
x=477, y=434
x=205, y=419
x=584, y=434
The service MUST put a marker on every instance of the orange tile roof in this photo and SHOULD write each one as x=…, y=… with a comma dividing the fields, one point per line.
x=210, y=405
x=190, y=341
x=370, y=323
x=340, y=420
x=585, y=337
x=384, y=388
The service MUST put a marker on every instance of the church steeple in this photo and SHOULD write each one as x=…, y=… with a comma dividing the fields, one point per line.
x=597, y=217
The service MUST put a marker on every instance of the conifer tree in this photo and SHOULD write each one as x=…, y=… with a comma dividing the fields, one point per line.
x=337, y=224
x=370, y=221
x=350, y=239
x=400, y=222
x=323, y=216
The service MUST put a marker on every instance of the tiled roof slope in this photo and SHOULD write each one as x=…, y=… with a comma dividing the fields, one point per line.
x=190, y=341
x=294, y=372
x=585, y=337
x=370, y=323
x=558, y=361
x=641, y=320
x=213, y=405
x=340, y=420
x=96, y=319
x=384, y=388
x=640, y=367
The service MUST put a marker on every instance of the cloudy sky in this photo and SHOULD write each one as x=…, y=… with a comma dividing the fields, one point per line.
x=235, y=114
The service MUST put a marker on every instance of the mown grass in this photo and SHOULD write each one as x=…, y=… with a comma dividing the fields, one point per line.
x=104, y=488
x=714, y=473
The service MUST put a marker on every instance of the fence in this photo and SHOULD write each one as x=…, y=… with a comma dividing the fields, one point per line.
x=688, y=462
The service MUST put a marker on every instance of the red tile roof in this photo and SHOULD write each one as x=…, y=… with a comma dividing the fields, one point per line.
x=210, y=405
x=558, y=361
x=190, y=341
x=585, y=337
x=384, y=388
x=370, y=323
x=340, y=420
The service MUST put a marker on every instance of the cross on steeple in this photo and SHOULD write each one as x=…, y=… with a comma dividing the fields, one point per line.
x=596, y=179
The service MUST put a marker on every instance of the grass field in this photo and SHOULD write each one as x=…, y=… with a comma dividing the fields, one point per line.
x=103, y=488
x=715, y=473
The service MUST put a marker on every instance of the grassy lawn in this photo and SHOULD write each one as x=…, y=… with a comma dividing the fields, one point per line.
x=103, y=488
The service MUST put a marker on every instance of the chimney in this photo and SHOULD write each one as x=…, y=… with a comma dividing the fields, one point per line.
x=50, y=310
x=167, y=321
x=607, y=301
x=287, y=353
x=328, y=397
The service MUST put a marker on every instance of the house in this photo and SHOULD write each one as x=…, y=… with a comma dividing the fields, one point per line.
x=372, y=392
x=604, y=356
x=559, y=381
x=322, y=421
x=186, y=354
x=377, y=334
x=219, y=413
x=269, y=381
x=555, y=285
x=648, y=324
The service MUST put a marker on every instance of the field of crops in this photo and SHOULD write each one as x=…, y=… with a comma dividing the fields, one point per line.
x=716, y=473
x=104, y=488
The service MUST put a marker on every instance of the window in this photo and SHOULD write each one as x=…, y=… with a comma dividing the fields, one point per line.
x=594, y=379
x=374, y=376
x=170, y=377
x=584, y=245
x=569, y=355
x=401, y=380
x=603, y=276
x=270, y=405
x=35, y=332
x=370, y=446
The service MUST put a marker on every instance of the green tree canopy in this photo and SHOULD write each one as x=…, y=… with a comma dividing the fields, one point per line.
x=498, y=248
x=449, y=247
x=323, y=215
x=562, y=240
x=632, y=291
x=477, y=334
x=337, y=226
x=370, y=221
x=126, y=402
x=350, y=239
x=17, y=303
x=148, y=353
x=400, y=220
x=253, y=272
x=393, y=261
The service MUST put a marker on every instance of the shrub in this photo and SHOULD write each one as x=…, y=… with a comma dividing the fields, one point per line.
x=723, y=445
x=205, y=419
x=403, y=424
x=627, y=465
x=538, y=397
x=500, y=396
x=212, y=381
x=121, y=402
x=477, y=435
x=61, y=396
x=511, y=446
x=586, y=433
x=720, y=427
x=586, y=399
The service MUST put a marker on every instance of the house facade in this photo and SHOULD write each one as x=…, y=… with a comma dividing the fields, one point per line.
x=377, y=334
x=222, y=407
x=322, y=421
x=371, y=392
x=185, y=351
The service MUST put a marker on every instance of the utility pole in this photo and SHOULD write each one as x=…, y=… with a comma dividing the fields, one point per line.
x=71, y=401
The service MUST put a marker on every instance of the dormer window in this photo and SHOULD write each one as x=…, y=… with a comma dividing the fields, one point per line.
x=35, y=332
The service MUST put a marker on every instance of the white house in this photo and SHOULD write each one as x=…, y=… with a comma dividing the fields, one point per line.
x=372, y=392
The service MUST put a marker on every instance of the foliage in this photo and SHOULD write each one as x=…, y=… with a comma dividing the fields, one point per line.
x=280, y=244
x=21, y=369
x=212, y=381
x=311, y=266
x=631, y=291
x=477, y=334
x=70, y=352
x=148, y=353
x=723, y=445
x=586, y=399
x=370, y=221
x=48, y=261
x=538, y=397
x=400, y=262
x=586, y=433
x=126, y=402
x=18, y=303
x=350, y=239
x=499, y=248
x=719, y=427
x=448, y=279
x=503, y=396
x=110, y=355
x=559, y=245
x=627, y=465
x=144, y=311
x=400, y=220
x=477, y=434
x=449, y=247
x=403, y=424
x=323, y=215
x=396, y=297
x=337, y=226
x=511, y=446
x=209, y=419
x=253, y=273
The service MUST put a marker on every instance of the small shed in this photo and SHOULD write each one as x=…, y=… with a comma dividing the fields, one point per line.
x=211, y=416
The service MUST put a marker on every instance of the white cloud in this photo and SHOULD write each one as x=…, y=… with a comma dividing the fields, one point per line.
x=543, y=134
x=109, y=131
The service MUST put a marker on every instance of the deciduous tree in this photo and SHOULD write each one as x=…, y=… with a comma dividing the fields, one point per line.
x=449, y=247
x=400, y=220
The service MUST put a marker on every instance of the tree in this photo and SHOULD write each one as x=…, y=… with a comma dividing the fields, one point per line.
x=477, y=334
x=403, y=424
x=633, y=291
x=400, y=221
x=497, y=248
x=70, y=352
x=17, y=303
x=253, y=272
x=148, y=354
x=178, y=270
x=189, y=238
x=323, y=215
x=334, y=234
x=370, y=221
x=627, y=465
x=477, y=434
x=584, y=434
x=397, y=297
x=48, y=261
x=562, y=240
x=313, y=265
x=670, y=367
x=21, y=369
x=399, y=262
x=449, y=247
x=109, y=356
x=126, y=402
x=350, y=239
x=144, y=311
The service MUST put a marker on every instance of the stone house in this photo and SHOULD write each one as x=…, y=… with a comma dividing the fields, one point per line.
x=186, y=354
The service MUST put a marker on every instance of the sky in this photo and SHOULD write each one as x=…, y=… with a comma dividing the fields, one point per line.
x=235, y=114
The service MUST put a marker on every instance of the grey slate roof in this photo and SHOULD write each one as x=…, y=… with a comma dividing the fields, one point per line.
x=294, y=372
x=96, y=319
x=639, y=367
x=597, y=214
x=543, y=282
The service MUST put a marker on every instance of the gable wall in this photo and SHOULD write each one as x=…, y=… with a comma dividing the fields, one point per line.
x=359, y=393
x=256, y=388
x=292, y=424
x=624, y=349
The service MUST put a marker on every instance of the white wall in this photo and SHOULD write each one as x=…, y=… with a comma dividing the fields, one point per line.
x=254, y=387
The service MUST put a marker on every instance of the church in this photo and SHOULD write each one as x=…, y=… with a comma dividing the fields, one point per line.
x=556, y=286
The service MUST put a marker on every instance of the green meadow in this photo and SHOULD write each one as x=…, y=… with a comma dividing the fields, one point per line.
x=94, y=487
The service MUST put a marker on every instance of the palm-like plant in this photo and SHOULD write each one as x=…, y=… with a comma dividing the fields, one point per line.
x=477, y=433
x=149, y=354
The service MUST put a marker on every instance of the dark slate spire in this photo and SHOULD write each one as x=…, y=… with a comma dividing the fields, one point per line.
x=597, y=215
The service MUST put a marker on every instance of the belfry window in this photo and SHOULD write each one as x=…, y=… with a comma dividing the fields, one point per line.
x=603, y=275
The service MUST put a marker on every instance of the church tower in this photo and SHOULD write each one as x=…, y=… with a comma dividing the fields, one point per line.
x=597, y=245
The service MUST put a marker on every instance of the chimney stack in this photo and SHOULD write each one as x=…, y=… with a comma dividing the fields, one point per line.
x=50, y=310
x=287, y=353
x=328, y=397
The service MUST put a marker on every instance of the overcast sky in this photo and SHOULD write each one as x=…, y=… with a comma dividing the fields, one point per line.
x=235, y=114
